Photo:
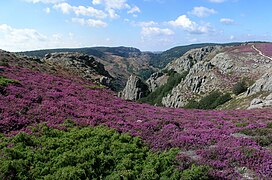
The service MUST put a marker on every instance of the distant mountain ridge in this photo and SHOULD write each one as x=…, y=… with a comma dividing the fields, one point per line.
x=122, y=62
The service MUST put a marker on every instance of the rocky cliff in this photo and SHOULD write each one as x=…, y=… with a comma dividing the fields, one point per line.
x=135, y=89
x=217, y=68
x=80, y=64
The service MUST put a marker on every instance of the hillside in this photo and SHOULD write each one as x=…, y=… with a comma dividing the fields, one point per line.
x=238, y=74
x=37, y=102
x=122, y=62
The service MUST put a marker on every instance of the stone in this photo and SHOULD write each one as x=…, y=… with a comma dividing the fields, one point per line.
x=135, y=89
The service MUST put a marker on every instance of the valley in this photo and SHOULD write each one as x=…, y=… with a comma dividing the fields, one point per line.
x=51, y=106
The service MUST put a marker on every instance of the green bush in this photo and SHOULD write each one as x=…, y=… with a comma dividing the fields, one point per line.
x=155, y=98
x=210, y=101
x=239, y=87
x=5, y=81
x=82, y=153
x=196, y=173
x=145, y=73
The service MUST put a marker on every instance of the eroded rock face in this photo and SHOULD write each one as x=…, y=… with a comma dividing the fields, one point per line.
x=218, y=68
x=261, y=102
x=135, y=89
x=262, y=84
x=156, y=80
x=80, y=64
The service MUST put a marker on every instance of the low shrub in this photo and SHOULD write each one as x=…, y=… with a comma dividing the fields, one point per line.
x=5, y=81
x=211, y=101
x=239, y=87
x=82, y=153
x=155, y=98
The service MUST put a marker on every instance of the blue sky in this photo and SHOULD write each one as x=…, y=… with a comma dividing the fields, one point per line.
x=146, y=24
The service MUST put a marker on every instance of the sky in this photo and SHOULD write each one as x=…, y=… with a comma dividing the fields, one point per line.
x=150, y=25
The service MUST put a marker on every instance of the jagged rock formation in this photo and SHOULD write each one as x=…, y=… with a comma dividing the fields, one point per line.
x=218, y=68
x=156, y=80
x=261, y=103
x=135, y=89
x=262, y=84
x=80, y=64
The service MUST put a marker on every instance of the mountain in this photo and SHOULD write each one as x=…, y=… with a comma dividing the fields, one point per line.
x=160, y=60
x=122, y=62
x=55, y=123
x=226, y=72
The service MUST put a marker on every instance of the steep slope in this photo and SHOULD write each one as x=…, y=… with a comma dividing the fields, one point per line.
x=233, y=144
x=162, y=59
x=69, y=65
x=120, y=62
x=219, y=68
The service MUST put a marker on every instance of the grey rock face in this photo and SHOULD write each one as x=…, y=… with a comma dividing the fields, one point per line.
x=135, y=89
x=190, y=58
x=81, y=64
x=156, y=80
x=218, y=68
x=261, y=103
x=262, y=84
x=200, y=79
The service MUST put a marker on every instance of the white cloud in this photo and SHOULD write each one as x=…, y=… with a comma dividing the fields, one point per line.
x=154, y=31
x=146, y=23
x=201, y=11
x=112, y=4
x=227, y=21
x=45, y=1
x=20, y=35
x=80, y=10
x=112, y=14
x=190, y=26
x=90, y=22
x=216, y=1
x=47, y=10
x=134, y=9
x=22, y=39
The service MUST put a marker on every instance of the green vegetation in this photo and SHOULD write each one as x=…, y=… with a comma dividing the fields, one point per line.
x=239, y=87
x=95, y=86
x=263, y=136
x=196, y=173
x=211, y=101
x=155, y=98
x=5, y=81
x=145, y=73
x=84, y=153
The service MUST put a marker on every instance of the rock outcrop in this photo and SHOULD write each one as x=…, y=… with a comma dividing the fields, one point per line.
x=156, y=80
x=261, y=102
x=81, y=64
x=262, y=84
x=218, y=68
x=135, y=89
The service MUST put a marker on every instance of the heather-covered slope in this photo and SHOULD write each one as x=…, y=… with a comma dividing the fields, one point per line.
x=234, y=143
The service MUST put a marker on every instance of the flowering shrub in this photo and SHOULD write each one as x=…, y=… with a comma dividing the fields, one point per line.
x=206, y=137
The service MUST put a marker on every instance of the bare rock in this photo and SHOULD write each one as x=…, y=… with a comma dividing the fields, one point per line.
x=134, y=89
x=262, y=84
x=80, y=64
x=156, y=80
